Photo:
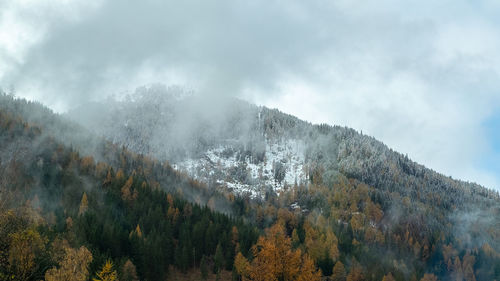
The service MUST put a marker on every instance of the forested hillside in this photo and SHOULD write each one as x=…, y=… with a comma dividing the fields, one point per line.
x=67, y=217
x=235, y=139
x=356, y=210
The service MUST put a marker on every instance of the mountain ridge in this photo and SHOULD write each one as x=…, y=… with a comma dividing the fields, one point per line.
x=355, y=152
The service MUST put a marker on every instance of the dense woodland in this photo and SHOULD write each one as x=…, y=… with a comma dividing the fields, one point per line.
x=59, y=209
x=74, y=206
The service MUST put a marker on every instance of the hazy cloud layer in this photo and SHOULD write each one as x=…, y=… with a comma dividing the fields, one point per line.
x=421, y=76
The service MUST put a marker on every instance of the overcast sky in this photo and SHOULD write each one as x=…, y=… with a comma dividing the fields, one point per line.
x=421, y=76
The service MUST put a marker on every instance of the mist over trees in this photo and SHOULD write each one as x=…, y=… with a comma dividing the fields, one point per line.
x=172, y=125
x=99, y=199
x=60, y=208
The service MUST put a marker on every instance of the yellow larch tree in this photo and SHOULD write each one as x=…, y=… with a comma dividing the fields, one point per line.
x=107, y=273
x=356, y=272
x=274, y=259
x=338, y=273
x=126, y=189
x=84, y=205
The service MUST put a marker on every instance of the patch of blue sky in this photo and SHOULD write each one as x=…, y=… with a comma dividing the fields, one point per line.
x=491, y=161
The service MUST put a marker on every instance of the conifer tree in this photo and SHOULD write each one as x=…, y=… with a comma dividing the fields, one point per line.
x=218, y=259
x=107, y=273
x=185, y=258
x=84, y=205
x=242, y=265
x=356, y=272
x=129, y=272
x=203, y=268
x=126, y=191
x=274, y=259
x=338, y=272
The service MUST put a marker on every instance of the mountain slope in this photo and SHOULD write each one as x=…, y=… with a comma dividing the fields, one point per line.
x=373, y=198
x=58, y=209
x=194, y=134
x=331, y=198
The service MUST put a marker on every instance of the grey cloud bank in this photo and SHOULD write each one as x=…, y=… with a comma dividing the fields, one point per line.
x=420, y=76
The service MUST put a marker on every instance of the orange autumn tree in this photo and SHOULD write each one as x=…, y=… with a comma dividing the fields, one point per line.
x=274, y=259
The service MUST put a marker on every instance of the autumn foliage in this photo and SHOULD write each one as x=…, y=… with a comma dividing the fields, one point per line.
x=127, y=216
x=274, y=259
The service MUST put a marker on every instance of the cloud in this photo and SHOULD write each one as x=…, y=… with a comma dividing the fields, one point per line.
x=421, y=76
x=220, y=46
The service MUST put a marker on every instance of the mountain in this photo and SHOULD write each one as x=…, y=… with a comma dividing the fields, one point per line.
x=60, y=209
x=256, y=150
x=286, y=199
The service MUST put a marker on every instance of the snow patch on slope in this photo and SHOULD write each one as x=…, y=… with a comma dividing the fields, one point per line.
x=282, y=166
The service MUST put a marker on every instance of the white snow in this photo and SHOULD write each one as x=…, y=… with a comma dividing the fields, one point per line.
x=213, y=164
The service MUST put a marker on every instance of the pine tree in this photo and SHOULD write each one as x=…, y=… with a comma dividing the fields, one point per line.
x=295, y=238
x=218, y=259
x=185, y=258
x=203, y=268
